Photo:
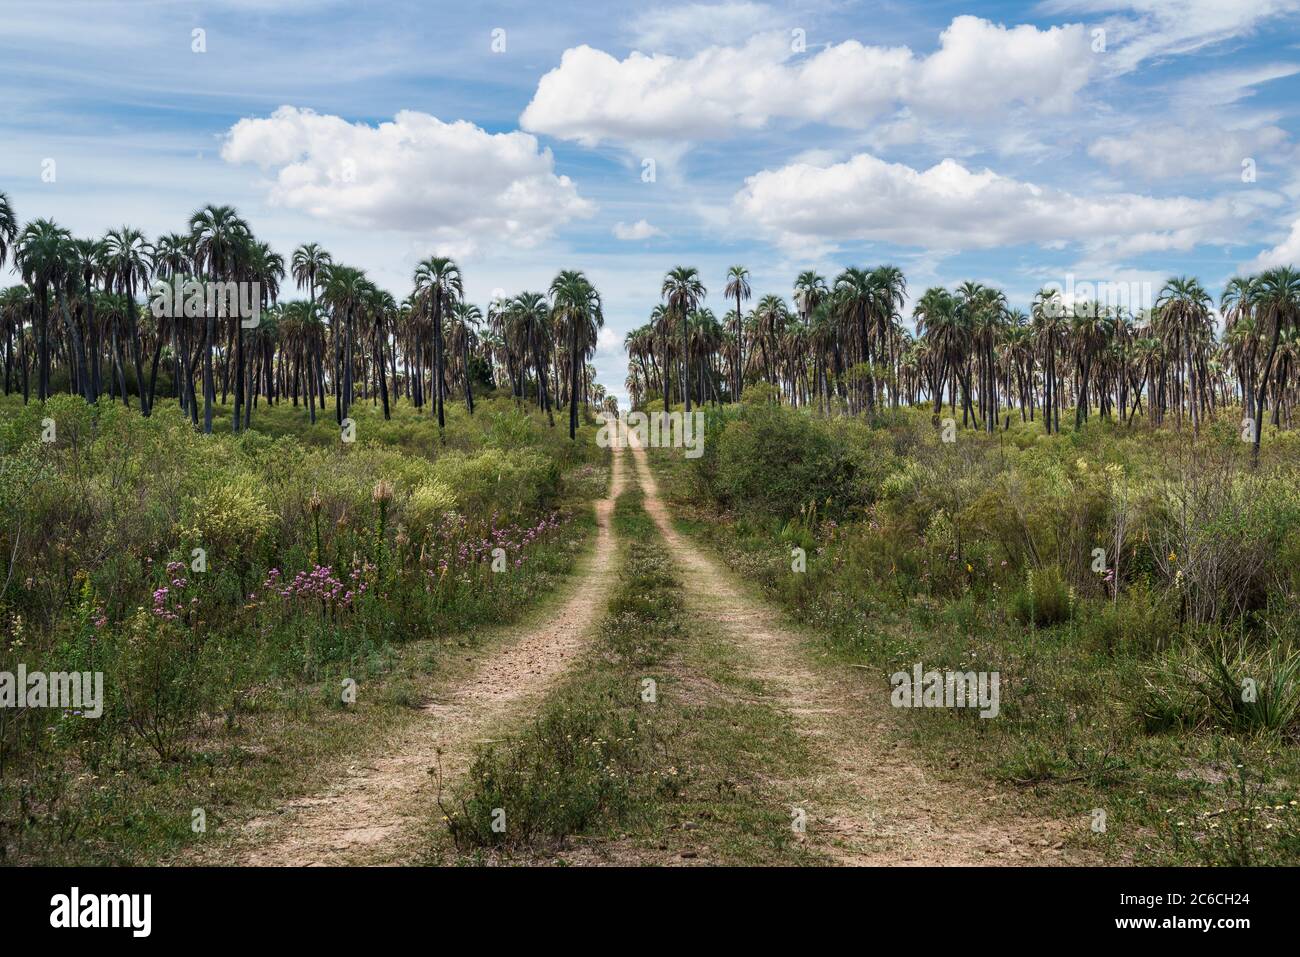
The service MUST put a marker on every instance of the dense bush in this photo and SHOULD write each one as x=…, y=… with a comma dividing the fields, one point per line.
x=768, y=459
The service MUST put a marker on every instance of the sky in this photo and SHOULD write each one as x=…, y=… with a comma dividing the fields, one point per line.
x=1017, y=144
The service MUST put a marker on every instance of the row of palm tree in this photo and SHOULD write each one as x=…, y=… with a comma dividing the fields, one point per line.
x=347, y=338
x=842, y=347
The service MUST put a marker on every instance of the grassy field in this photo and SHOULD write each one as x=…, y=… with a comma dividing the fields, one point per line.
x=274, y=608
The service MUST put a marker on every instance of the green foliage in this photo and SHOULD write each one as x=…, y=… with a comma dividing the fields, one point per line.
x=320, y=557
x=513, y=482
x=1044, y=600
x=572, y=768
x=429, y=503
x=1229, y=685
x=589, y=760
x=769, y=459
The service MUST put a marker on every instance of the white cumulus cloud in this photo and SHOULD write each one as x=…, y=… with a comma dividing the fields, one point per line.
x=452, y=183
x=1285, y=253
x=949, y=207
x=980, y=67
x=638, y=230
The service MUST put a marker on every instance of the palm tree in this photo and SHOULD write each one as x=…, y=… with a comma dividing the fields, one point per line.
x=1183, y=312
x=936, y=321
x=88, y=265
x=8, y=228
x=889, y=288
x=1277, y=304
x=738, y=288
x=661, y=322
x=265, y=267
x=42, y=258
x=1050, y=330
x=345, y=291
x=128, y=262
x=218, y=239
x=15, y=306
x=438, y=280
x=381, y=306
x=464, y=333
x=682, y=291
x=854, y=293
x=770, y=318
x=529, y=328
x=575, y=302
x=8, y=233
x=1240, y=332
x=308, y=266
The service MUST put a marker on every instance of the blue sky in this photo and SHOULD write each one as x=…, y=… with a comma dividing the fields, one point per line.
x=1018, y=144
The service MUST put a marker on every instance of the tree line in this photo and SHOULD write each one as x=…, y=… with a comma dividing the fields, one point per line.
x=842, y=348
x=77, y=317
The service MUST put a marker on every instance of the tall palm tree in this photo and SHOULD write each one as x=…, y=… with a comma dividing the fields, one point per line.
x=265, y=267
x=438, y=281
x=380, y=307
x=308, y=266
x=219, y=239
x=661, y=323
x=345, y=291
x=1277, y=304
x=128, y=263
x=88, y=265
x=854, y=293
x=1047, y=316
x=8, y=228
x=682, y=291
x=15, y=307
x=936, y=321
x=770, y=318
x=41, y=256
x=889, y=293
x=1183, y=311
x=466, y=319
x=1236, y=304
x=529, y=328
x=575, y=302
x=738, y=288
x=8, y=233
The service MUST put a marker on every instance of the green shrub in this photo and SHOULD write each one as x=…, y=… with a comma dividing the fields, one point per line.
x=1043, y=600
x=517, y=482
x=427, y=506
x=575, y=767
x=775, y=460
x=1225, y=684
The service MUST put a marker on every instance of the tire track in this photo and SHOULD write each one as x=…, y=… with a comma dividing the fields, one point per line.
x=872, y=803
